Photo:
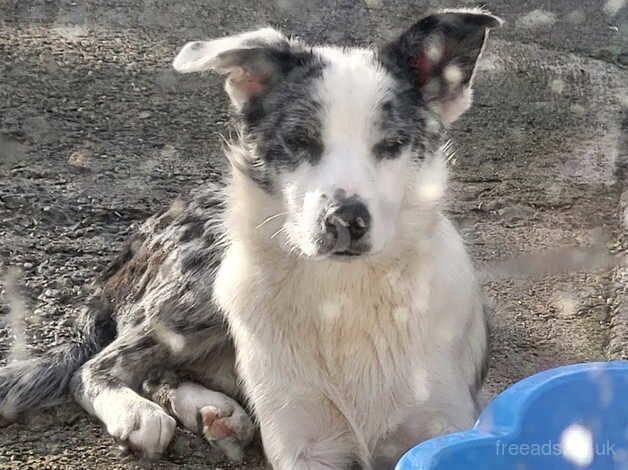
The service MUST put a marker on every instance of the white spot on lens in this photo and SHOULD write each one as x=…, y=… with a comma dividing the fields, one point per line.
x=576, y=17
x=453, y=75
x=172, y=340
x=401, y=314
x=566, y=304
x=576, y=445
x=612, y=7
x=536, y=19
x=557, y=86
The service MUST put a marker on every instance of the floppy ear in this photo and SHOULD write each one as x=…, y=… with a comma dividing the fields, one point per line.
x=253, y=62
x=438, y=55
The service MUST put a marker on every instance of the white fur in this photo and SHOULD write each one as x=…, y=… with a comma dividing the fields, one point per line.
x=198, y=56
x=133, y=420
x=190, y=399
x=399, y=351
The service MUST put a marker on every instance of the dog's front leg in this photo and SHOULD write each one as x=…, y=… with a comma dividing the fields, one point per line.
x=303, y=433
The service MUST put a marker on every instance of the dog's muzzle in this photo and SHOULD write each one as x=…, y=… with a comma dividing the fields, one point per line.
x=346, y=225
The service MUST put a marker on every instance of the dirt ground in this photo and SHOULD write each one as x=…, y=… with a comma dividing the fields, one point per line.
x=97, y=132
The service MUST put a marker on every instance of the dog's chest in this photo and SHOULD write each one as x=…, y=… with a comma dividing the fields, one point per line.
x=350, y=334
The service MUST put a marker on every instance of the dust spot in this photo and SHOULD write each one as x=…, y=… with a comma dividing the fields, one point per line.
x=71, y=33
x=432, y=126
x=612, y=7
x=172, y=340
x=430, y=191
x=177, y=207
x=434, y=49
x=576, y=17
x=401, y=315
x=577, y=109
x=16, y=316
x=536, y=19
x=576, y=445
x=557, y=86
x=453, y=75
x=11, y=150
x=332, y=308
x=565, y=304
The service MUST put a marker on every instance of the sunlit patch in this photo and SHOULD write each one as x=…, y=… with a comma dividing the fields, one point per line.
x=612, y=7
x=576, y=445
x=536, y=19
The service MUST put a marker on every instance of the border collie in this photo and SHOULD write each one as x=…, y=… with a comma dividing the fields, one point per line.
x=320, y=283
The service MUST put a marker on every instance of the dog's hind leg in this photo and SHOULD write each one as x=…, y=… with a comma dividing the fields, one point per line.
x=106, y=387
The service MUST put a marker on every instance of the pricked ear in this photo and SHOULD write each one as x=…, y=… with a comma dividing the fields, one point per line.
x=438, y=54
x=253, y=61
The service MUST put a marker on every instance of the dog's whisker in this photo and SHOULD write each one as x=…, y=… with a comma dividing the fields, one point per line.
x=270, y=219
x=277, y=232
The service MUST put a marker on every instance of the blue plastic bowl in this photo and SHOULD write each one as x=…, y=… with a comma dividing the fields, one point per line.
x=572, y=417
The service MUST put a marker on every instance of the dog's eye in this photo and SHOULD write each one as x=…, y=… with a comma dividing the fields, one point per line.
x=389, y=148
x=303, y=141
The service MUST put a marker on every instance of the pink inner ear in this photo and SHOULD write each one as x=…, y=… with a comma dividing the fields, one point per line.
x=426, y=69
x=423, y=66
x=251, y=84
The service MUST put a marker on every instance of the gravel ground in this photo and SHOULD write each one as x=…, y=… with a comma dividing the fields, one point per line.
x=97, y=132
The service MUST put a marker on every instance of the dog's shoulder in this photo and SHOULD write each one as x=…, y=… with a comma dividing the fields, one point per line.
x=173, y=249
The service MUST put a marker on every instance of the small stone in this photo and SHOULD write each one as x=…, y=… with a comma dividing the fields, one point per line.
x=80, y=158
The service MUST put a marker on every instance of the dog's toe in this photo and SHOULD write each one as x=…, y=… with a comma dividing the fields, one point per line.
x=227, y=427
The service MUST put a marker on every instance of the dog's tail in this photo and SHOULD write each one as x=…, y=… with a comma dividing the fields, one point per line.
x=40, y=382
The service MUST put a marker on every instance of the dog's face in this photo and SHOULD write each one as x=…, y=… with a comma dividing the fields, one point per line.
x=344, y=141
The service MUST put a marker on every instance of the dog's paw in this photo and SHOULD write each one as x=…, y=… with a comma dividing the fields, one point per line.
x=135, y=423
x=227, y=427
x=221, y=419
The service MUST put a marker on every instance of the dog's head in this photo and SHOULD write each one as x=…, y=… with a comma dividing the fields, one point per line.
x=343, y=143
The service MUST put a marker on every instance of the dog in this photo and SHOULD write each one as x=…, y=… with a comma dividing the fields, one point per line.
x=320, y=284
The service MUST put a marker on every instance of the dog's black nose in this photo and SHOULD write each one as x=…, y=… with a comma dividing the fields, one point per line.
x=351, y=215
